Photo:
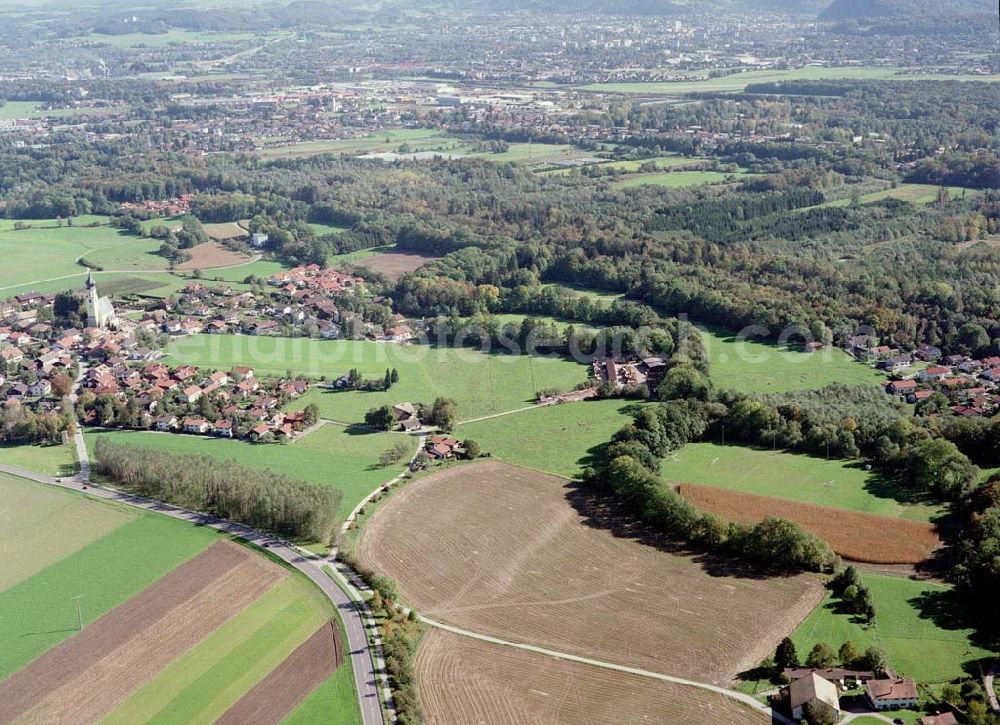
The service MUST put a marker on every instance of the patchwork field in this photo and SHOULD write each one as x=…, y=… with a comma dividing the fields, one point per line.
x=179, y=625
x=480, y=384
x=394, y=264
x=757, y=367
x=552, y=438
x=914, y=620
x=521, y=555
x=345, y=458
x=461, y=680
x=856, y=536
x=791, y=476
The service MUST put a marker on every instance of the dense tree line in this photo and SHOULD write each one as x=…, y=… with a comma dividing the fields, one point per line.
x=261, y=499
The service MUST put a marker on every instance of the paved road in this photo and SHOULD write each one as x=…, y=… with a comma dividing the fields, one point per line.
x=365, y=677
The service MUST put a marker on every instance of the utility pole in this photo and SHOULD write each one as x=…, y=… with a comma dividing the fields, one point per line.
x=723, y=434
x=79, y=612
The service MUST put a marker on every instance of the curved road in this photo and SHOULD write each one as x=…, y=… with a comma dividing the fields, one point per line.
x=366, y=679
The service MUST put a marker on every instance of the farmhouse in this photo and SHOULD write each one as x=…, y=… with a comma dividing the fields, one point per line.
x=891, y=694
x=901, y=387
x=809, y=688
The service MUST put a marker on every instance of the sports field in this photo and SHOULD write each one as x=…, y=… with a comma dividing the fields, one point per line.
x=179, y=625
x=674, y=179
x=791, y=476
x=333, y=455
x=522, y=555
x=480, y=384
x=461, y=680
x=756, y=367
x=739, y=81
x=911, y=624
x=554, y=438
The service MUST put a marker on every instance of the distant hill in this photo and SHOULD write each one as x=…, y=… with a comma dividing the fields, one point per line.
x=902, y=9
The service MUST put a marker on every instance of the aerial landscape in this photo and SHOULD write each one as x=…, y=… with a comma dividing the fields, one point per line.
x=474, y=362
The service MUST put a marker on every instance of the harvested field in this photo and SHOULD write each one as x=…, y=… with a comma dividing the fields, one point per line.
x=529, y=557
x=304, y=670
x=860, y=537
x=211, y=255
x=394, y=264
x=225, y=230
x=87, y=675
x=461, y=680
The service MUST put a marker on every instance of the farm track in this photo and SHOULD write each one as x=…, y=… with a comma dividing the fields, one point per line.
x=274, y=697
x=501, y=551
x=471, y=679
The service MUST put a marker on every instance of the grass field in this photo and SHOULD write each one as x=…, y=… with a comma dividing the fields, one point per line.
x=345, y=458
x=740, y=81
x=913, y=193
x=201, y=685
x=332, y=703
x=674, y=179
x=39, y=612
x=525, y=556
x=633, y=165
x=554, y=438
x=806, y=479
x=916, y=645
x=59, y=460
x=755, y=367
x=480, y=384
x=383, y=141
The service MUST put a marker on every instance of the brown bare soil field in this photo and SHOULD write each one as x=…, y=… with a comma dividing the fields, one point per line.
x=528, y=557
x=271, y=699
x=211, y=255
x=225, y=230
x=90, y=673
x=861, y=537
x=461, y=680
x=394, y=264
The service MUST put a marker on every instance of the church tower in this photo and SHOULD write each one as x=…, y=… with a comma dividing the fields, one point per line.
x=93, y=302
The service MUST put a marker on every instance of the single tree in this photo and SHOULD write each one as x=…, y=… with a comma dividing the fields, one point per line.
x=785, y=655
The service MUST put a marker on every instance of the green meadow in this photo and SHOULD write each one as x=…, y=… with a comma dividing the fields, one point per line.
x=332, y=703
x=554, y=438
x=791, y=476
x=758, y=367
x=481, y=384
x=913, y=627
x=674, y=179
x=332, y=455
x=57, y=460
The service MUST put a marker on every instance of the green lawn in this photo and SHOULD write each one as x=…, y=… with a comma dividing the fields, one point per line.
x=791, y=476
x=481, y=384
x=39, y=612
x=59, y=460
x=383, y=141
x=203, y=683
x=44, y=253
x=552, y=438
x=324, y=229
x=674, y=179
x=332, y=703
x=756, y=367
x=916, y=645
x=345, y=458
x=739, y=81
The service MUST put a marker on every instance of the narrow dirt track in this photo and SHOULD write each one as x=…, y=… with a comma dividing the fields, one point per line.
x=274, y=697
x=104, y=638
x=463, y=681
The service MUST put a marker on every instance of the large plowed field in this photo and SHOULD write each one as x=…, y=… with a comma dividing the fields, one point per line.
x=512, y=553
x=463, y=681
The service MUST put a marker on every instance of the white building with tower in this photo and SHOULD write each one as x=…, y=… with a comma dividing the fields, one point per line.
x=100, y=311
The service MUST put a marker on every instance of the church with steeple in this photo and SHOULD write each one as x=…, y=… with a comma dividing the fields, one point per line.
x=100, y=311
